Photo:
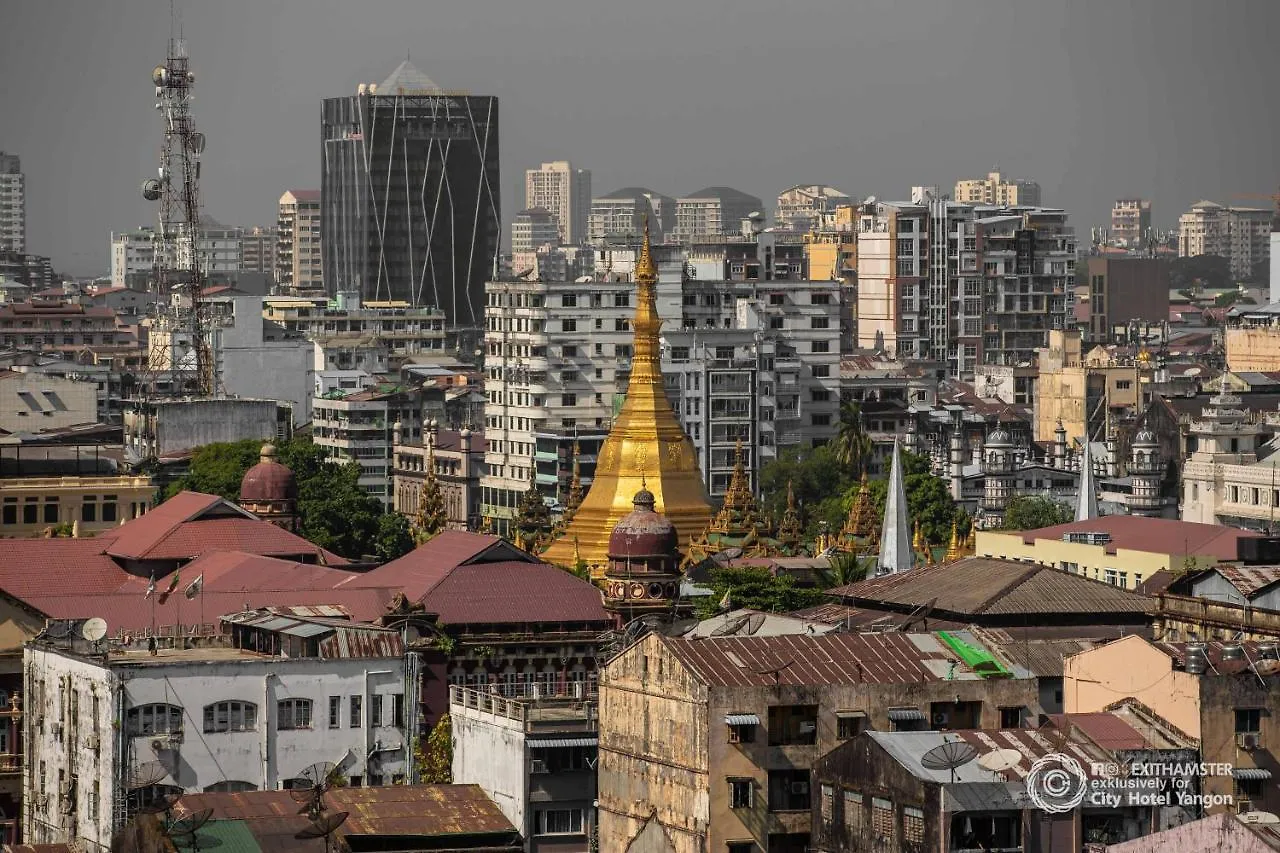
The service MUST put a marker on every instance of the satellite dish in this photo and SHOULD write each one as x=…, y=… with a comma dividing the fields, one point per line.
x=147, y=774
x=196, y=143
x=94, y=629
x=1000, y=760
x=948, y=756
x=188, y=825
x=1258, y=817
x=151, y=189
x=323, y=827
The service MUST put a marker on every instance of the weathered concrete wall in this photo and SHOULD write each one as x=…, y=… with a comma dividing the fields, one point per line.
x=186, y=424
x=1221, y=833
x=488, y=750
x=1132, y=668
x=1220, y=697
x=653, y=749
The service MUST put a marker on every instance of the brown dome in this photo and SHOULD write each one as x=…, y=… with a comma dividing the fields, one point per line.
x=643, y=532
x=268, y=480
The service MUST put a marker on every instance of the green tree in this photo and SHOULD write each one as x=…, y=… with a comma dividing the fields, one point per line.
x=217, y=469
x=755, y=587
x=845, y=568
x=852, y=445
x=435, y=758
x=820, y=483
x=395, y=539
x=929, y=501
x=1031, y=512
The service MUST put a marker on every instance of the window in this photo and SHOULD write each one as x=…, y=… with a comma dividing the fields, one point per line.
x=156, y=719
x=741, y=847
x=905, y=267
x=1248, y=720
x=742, y=732
x=793, y=724
x=357, y=781
x=50, y=511
x=621, y=324
x=569, y=399
x=912, y=825
x=559, y=822
x=1248, y=789
x=569, y=300
x=882, y=817
x=293, y=714
x=852, y=809
x=1124, y=384
x=569, y=325
x=230, y=717
x=821, y=346
x=233, y=786
x=819, y=322
x=1011, y=718
x=820, y=299
x=821, y=371
x=375, y=711
x=850, y=724
x=820, y=395
x=827, y=803
x=397, y=710
x=776, y=298
x=777, y=323
x=88, y=510
x=357, y=703
x=335, y=711
x=739, y=793
x=820, y=419
x=788, y=790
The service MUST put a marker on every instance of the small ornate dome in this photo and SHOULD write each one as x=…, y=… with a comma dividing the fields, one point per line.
x=268, y=480
x=1145, y=437
x=643, y=532
x=999, y=437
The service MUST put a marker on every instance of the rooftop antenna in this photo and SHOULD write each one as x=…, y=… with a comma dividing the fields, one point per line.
x=1000, y=760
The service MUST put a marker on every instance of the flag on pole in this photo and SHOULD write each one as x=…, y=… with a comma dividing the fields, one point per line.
x=195, y=587
x=173, y=584
x=726, y=603
x=151, y=586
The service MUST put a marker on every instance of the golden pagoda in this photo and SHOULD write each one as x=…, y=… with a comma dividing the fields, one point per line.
x=861, y=522
x=646, y=443
x=954, y=549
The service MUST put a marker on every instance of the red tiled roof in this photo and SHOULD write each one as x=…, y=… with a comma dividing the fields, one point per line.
x=1104, y=728
x=514, y=592
x=806, y=660
x=1249, y=580
x=190, y=524
x=33, y=566
x=1156, y=535
x=237, y=571
x=419, y=571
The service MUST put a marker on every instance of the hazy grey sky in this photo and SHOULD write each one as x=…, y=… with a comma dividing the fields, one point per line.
x=1169, y=99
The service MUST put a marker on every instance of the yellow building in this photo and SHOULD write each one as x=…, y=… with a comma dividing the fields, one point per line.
x=1077, y=388
x=1253, y=349
x=30, y=505
x=1122, y=550
x=831, y=255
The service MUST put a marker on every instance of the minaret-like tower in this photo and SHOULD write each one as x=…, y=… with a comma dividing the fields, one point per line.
x=1060, y=447
x=896, y=554
x=957, y=463
x=998, y=470
x=646, y=445
x=1146, y=468
x=1087, y=499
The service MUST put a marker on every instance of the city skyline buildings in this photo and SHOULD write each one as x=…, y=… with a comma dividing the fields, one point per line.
x=261, y=138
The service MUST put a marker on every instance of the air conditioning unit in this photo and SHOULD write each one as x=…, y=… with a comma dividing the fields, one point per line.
x=800, y=788
x=539, y=766
x=1244, y=806
x=92, y=743
x=1248, y=740
x=808, y=728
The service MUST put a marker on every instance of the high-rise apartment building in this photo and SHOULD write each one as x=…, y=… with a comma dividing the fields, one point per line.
x=962, y=284
x=804, y=207
x=621, y=214
x=13, y=204
x=1130, y=219
x=566, y=193
x=714, y=211
x=410, y=193
x=298, y=259
x=994, y=189
x=533, y=228
x=133, y=257
x=258, y=250
x=1242, y=235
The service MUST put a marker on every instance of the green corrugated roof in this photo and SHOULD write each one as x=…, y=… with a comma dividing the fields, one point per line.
x=228, y=836
x=979, y=660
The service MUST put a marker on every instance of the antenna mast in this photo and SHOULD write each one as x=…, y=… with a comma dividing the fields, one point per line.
x=180, y=345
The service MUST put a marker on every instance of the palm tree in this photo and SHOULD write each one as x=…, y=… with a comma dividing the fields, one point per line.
x=852, y=445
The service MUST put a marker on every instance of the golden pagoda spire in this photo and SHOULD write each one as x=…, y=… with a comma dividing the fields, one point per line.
x=646, y=443
x=738, y=509
x=431, y=516
x=574, y=498
x=789, y=532
x=953, y=550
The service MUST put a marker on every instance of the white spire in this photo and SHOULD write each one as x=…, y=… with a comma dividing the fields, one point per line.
x=895, y=534
x=1087, y=500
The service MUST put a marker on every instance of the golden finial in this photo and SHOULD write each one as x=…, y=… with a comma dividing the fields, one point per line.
x=646, y=270
x=953, y=550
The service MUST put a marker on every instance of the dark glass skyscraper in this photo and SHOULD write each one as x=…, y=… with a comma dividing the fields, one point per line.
x=410, y=194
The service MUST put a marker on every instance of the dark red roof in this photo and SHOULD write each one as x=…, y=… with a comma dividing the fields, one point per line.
x=1156, y=535
x=1107, y=730
x=268, y=481
x=190, y=524
x=643, y=532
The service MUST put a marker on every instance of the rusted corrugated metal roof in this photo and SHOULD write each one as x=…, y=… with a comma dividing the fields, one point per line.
x=408, y=811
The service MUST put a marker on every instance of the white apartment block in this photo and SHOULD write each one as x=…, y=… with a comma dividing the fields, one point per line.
x=397, y=327
x=566, y=193
x=298, y=257
x=805, y=207
x=994, y=189
x=962, y=284
x=258, y=250
x=246, y=710
x=714, y=211
x=622, y=213
x=531, y=229
x=132, y=252
x=359, y=427
x=1240, y=234
x=13, y=204
x=1130, y=220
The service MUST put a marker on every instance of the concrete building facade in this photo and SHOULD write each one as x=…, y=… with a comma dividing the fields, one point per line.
x=1130, y=221
x=563, y=191
x=1124, y=291
x=1242, y=235
x=13, y=204
x=133, y=257
x=806, y=206
x=713, y=211
x=996, y=189
x=621, y=214
x=298, y=257
x=359, y=427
